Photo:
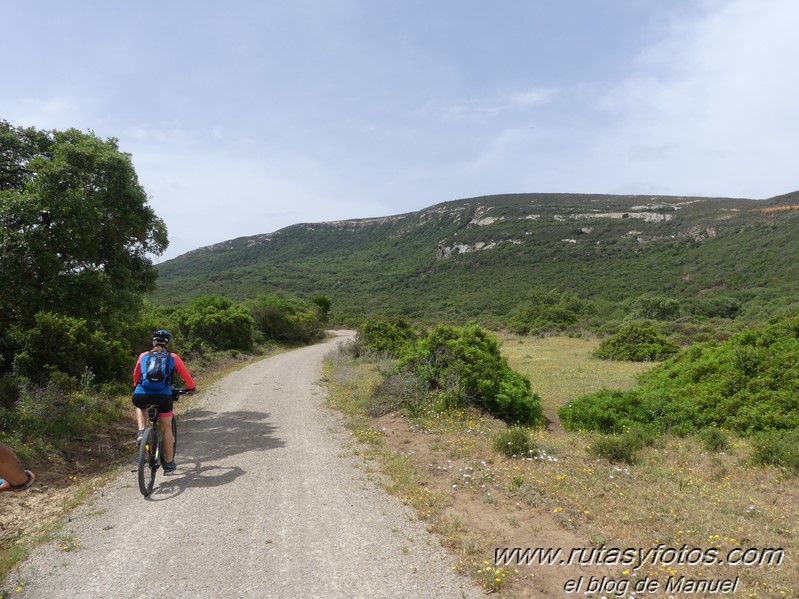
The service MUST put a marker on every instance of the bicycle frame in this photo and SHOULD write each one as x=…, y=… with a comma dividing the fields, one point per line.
x=151, y=448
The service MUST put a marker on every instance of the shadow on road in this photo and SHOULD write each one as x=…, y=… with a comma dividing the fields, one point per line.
x=207, y=436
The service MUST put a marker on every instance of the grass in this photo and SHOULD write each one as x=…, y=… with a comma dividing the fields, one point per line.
x=561, y=368
x=683, y=490
x=694, y=492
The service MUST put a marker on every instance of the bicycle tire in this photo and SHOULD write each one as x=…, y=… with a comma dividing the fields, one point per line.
x=148, y=460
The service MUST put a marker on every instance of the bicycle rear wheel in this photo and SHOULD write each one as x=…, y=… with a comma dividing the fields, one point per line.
x=148, y=460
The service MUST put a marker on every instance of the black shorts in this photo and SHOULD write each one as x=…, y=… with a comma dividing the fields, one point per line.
x=165, y=403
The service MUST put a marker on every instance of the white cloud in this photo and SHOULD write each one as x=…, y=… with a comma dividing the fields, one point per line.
x=532, y=97
x=712, y=105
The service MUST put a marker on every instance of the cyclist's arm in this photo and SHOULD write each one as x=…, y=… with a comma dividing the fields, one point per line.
x=183, y=372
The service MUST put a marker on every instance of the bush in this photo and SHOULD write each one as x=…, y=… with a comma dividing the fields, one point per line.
x=607, y=411
x=636, y=342
x=286, y=320
x=654, y=307
x=217, y=322
x=624, y=447
x=746, y=384
x=323, y=304
x=514, y=442
x=9, y=391
x=48, y=416
x=66, y=344
x=778, y=448
x=550, y=312
x=717, y=307
x=714, y=439
x=399, y=390
x=464, y=366
x=389, y=335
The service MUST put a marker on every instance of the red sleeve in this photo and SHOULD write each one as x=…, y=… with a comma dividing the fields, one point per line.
x=183, y=371
x=137, y=369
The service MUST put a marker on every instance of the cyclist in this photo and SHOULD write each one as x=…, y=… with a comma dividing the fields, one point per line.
x=13, y=477
x=145, y=394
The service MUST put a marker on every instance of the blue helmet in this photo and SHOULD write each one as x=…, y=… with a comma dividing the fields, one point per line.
x=161, y=337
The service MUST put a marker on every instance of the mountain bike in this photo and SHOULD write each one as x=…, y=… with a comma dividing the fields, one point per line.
x=151, y=448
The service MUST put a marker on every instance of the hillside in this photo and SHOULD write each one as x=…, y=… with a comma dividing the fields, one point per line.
x=483, y=255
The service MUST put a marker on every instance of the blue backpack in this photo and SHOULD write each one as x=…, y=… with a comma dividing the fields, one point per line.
x=156, y=371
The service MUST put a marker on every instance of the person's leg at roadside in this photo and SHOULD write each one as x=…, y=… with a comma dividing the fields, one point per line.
x=13, y=476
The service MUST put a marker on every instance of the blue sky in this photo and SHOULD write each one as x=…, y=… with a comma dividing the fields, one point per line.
x=248, y=116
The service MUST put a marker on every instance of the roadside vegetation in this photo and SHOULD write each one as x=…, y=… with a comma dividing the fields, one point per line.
x=483, y=483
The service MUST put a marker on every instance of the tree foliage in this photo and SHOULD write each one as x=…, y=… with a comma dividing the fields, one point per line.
x=76, y=231
x=654, y=307
x=58, y=343
x=217, y=322
x=553, y=311
x=287, y=320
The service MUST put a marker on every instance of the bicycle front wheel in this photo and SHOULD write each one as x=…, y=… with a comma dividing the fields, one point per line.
x=148, y=460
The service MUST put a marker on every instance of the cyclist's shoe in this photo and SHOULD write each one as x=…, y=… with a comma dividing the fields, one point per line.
x=139, y=436
x=170, y=467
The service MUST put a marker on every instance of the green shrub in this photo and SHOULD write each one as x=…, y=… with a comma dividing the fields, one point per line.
x=624, y=447
x=717, y=307
x=607, y=411
x=9, y=391
x=549, y=312
x=746, y=384
x=654, y=307
x=464, y=366
x=286, y=320
x=389, y=335
x=714, y=439
x=514, y=442
x=48, y=416
x=637, y=342
x=778, y=448
x=323, y=304
x=217, y=322
x=62, y=343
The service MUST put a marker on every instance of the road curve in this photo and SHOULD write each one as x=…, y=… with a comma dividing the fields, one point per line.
x=266, y=502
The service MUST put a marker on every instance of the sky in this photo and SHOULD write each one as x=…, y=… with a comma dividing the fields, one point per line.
x=248, y=116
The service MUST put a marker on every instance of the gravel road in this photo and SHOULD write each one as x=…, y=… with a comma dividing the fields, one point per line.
x=267, y=502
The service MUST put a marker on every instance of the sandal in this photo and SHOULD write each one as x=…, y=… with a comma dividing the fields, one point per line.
x=23, y=487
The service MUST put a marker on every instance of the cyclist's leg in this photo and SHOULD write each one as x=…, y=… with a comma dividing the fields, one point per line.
x=165, y=415
x=141, y=419
x=165, y=420
x=139, y=402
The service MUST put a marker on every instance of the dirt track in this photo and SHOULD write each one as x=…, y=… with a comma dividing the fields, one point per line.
x=266, y=502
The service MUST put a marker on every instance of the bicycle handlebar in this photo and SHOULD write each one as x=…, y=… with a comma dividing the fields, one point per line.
x=178, y=391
